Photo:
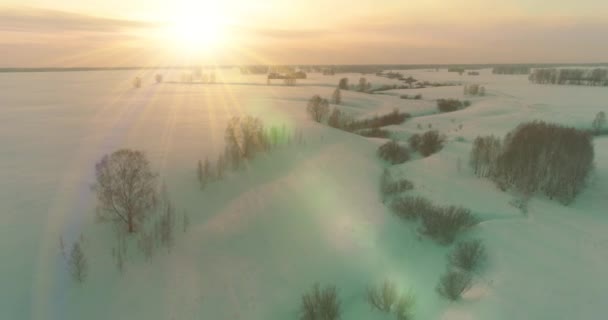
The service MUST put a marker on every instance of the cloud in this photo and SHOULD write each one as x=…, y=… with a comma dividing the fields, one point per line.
x=50, y=21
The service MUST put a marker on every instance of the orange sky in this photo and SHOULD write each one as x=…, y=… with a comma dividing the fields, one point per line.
x=65, y=33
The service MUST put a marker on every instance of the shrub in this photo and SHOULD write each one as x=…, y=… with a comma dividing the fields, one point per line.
x=318, y=108
x=453, y=284
x=390, y=186
x=321, y=304
x=411, y=207
x=415, y=140
x=444, y=223
x=430, y=142
x=449, y=105
x=393, y=152
x=468, y=255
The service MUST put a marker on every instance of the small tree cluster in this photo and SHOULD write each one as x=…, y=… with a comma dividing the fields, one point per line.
x=318, y=108
x=321, y=304
x=414, y=97
x=411, y=207
x=511, y=69
x=343, y=84
x=474, y=90
x=363, y=85
x=442, y=224
x=449, y=105
x=389, y=185
x=337, y=119
x=537, y=156
x=375, y=132
x=245, y=137
x=393, y=152
x=395, y=117
x=387, y=299
x=428, y=143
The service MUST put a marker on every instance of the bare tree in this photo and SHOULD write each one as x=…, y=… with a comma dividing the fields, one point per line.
x=318, y=108
x=336, y=97
x=599, y=122
x=321, y=304
x=77, y=263
x=126, y=188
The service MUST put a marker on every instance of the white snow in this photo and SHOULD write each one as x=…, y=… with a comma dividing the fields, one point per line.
x=302, y=214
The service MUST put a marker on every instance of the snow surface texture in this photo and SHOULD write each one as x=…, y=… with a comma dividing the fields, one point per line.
x=303, y=214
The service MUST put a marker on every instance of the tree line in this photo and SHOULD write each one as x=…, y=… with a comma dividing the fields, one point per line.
x=588, y=77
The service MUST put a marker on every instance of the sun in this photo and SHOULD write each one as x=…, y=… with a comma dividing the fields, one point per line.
x=197, y=31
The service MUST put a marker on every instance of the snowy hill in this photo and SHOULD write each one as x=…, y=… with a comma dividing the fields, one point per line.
x=305, y=213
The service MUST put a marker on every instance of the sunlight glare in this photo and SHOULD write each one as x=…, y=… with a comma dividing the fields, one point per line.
x=197, y=28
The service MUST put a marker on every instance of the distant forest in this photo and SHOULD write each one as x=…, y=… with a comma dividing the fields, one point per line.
x=585, y=77
x=354, y=68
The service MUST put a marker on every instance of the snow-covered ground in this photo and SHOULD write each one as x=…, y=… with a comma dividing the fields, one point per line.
x=302, y=214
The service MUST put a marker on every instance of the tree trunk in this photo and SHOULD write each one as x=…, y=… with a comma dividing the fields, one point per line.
x=131, y=224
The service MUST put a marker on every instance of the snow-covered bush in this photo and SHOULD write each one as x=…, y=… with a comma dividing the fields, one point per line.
x=393, y=152
x=453, y=284
x=429, y=143
x=415, y=140
x=321, y=304
x=412, y=207
x=468, y=255
x=444, y=223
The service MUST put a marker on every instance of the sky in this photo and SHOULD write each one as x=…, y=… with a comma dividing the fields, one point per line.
x=118, y=33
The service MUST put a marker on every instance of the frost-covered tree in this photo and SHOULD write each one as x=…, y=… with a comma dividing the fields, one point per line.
x=77, y=263
x=126, y=188
x=318, y=108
